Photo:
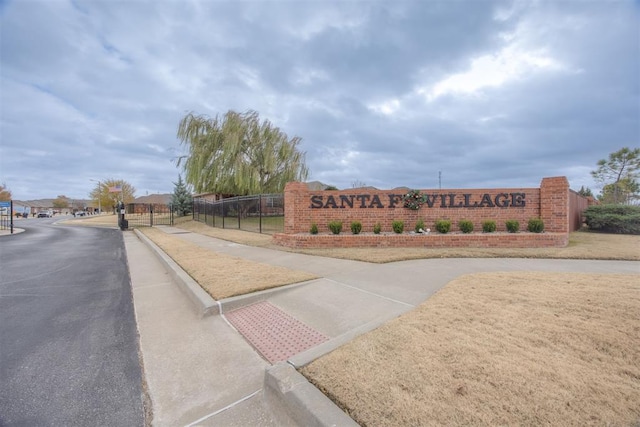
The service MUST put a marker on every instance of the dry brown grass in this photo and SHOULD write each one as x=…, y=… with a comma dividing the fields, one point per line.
x=237, y=236
x=488, y=349
x=221, y=275
x=582, y=245
x=498, y=349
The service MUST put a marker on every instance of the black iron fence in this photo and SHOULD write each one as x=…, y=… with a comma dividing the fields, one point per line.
x=263, y=213
x=6, y=216
x=148, y=215
x=6, y=222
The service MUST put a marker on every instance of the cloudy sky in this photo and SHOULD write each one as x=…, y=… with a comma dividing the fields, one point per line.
x=382, y=93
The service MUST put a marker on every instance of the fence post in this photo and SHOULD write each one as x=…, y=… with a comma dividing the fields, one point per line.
x=151, y=215
x=171, y=213
x=260, y=212
x=238, y=211
x=222, y=213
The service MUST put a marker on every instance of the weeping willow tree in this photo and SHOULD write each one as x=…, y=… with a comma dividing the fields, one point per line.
x=238, y=154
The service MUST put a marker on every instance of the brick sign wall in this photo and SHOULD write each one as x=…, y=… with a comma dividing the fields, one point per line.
x=304, y=207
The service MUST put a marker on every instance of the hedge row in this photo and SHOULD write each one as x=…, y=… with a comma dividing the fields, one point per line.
x=620, y=219
x=443, y=226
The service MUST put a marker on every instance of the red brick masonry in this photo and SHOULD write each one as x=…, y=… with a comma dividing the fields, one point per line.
x=552, y=202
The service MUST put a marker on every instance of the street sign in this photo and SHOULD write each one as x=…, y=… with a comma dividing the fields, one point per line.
x=5, y=204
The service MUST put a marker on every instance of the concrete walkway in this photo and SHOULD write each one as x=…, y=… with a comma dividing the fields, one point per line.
x=198, y=371
x=201, y=371
x=7, y=231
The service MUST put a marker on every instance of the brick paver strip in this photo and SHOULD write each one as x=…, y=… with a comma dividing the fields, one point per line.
x=276, y=335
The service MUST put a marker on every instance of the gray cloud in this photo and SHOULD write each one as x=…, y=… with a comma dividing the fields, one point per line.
x=385, y=93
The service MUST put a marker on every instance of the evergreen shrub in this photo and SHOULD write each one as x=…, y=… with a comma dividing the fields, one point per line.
x=466, y=226
x=535, y=225
x=335, y=227
x=619, y=219
x=488, y=226
x=512, y=225
x=443, y=226
x=356, y=227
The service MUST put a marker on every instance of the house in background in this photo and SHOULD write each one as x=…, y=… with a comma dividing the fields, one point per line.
x=155, y=199
x=211, y=197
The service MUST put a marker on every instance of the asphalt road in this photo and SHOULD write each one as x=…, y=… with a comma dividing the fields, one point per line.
x=68, y=336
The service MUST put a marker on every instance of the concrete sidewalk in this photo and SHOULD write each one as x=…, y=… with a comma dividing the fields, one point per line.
x=200, y=370
x=7, y=232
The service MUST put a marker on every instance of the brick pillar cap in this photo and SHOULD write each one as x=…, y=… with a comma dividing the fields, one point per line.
x=296, y=186
x=554, y=178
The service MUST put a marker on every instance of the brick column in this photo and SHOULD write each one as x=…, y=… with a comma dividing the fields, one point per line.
x=294, y=196
x=554, y=204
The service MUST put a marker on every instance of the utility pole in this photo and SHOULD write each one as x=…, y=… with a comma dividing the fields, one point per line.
x=440, y=180
x=99, y=194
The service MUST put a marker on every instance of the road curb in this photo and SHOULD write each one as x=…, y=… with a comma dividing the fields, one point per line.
x=202, y=302
x=304, y=358
x=16, y=230
x=233, y=303
x=285, y=389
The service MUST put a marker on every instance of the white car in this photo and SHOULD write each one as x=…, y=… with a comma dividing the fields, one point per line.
x=44, y=214
x=80, y=213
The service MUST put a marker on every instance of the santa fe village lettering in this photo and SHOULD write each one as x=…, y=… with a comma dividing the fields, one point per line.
x=447, y=200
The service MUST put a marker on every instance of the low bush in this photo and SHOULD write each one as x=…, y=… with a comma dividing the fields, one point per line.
x=443, y=226
x=488, y=226
x=512, y=225
x=535, y=225
x=397, y=226
x=314, y=228
x=377, y=228
x=335, y=227
x=620, y=219
x=419, y=225
x=465, y=226
x=356, y=227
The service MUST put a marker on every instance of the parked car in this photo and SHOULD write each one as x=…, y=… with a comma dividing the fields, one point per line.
x=44, y=214
x=80, y=213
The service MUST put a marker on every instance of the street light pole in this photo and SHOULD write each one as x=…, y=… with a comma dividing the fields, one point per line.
x=99, y=194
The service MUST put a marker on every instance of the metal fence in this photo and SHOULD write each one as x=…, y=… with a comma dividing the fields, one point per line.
x=263, y=213
x=6, y=216
x=5, y=221
x=148, y=215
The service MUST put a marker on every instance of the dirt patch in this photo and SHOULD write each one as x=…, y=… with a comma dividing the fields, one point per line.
x=221, y=275
x=498, y=349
